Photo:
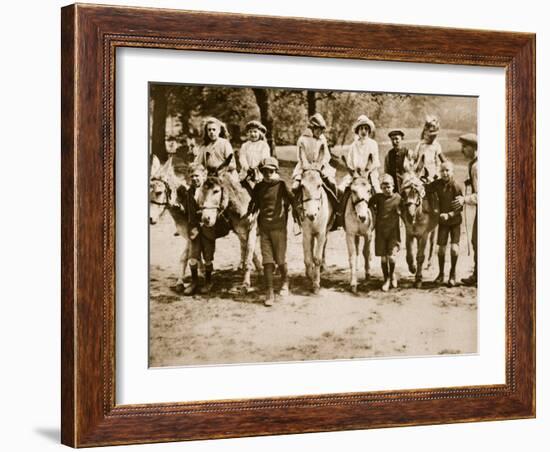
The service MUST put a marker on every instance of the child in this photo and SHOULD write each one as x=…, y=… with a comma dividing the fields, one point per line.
x=428, y=151
x=273, y=200
x=253, y=151
x=450, y=219
x=312, y=150
x=363, y=153
x=397, y=158
x=197, y=177
x=216, y=148
x=387, y=236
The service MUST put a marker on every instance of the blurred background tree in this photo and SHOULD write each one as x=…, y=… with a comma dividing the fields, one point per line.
x=177, y=112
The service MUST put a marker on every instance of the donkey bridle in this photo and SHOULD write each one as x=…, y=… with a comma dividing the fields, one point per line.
x=168, y=191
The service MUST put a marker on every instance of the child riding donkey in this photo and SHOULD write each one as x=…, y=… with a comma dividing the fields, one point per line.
x=362, y=160
x=220, y=205
x=252, y=153
x=313, y=153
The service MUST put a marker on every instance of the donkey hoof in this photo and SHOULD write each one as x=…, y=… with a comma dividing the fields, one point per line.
x=315, y=290
x=367, y=276
x=244, y=289
x=353, y=288
x=418, y=284
x=412, y=268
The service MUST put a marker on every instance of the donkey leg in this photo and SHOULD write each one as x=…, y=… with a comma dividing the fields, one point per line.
x=250, y=248
x=420, y=256
x=352, y=257
x=307, y=245
x=410, y=254
x=257, y=256
x=318, y=261
x=431, y=248
x=366, y=255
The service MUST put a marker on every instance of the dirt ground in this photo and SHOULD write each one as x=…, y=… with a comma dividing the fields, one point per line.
x=231, y=328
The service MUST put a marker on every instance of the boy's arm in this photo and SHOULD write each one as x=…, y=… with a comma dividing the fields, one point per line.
x=288, y=196
x=254, y=204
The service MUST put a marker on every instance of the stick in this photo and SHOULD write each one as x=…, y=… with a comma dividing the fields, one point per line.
x=466, y=219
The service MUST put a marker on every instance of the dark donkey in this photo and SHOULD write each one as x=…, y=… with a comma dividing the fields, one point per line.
x=420, y=220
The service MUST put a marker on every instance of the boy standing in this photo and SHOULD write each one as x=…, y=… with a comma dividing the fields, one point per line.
x=387, y=236
x=450, y=219
x=272, y=199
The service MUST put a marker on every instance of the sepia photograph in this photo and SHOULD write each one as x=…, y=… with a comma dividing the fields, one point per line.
x=290, y=224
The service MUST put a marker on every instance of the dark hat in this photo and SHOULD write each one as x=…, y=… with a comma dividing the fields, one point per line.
x=255, y=125
x=269, y=162
x=363, y=120
x=395, y=133
x=317, y=120
x=470, y=138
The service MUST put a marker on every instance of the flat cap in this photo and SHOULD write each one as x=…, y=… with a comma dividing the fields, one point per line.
x=468, y=138
x=269, y=162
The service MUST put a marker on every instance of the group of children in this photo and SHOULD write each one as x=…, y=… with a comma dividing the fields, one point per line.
x=272, y=199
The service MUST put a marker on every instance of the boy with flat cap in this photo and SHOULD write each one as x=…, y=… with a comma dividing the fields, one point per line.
x=272, y=199
x=394, y=163
x=469, y=149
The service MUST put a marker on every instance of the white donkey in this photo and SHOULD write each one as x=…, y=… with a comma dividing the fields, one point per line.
x=167, y=193
x=358, y=222
x=317, y=214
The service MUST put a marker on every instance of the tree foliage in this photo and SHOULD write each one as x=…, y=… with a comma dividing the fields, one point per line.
x=285, y=111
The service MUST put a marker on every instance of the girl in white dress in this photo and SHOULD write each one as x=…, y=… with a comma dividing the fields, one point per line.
x=216, y=148
x=253, y=152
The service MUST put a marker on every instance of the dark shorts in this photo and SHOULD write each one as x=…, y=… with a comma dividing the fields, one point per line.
x=387, y=241
x=445, y=230
x=273, y=246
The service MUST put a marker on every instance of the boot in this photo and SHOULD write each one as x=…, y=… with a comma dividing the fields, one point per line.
x=283, y=269
x=191, y=289
x=452, y=275
x=441, y=276
x=205, y=290
x=385, y=272
x=269, y=293
x=470, y=280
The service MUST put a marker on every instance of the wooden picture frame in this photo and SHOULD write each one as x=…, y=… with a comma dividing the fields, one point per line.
x=90, y=36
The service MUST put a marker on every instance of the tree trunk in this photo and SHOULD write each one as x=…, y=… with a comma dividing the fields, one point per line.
x=262, y=99
x=158, y=129
x=311, y=102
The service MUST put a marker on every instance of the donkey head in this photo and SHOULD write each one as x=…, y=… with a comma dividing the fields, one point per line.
x=161, y=191
x=412, y=195
x=312, y=186
x=211, y=200
x=361, y=192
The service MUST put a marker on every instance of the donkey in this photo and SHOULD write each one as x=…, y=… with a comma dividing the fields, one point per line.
x=317, y=216
x=219, y=196
x=358, y=222
x=420, y=220
x=167, y=193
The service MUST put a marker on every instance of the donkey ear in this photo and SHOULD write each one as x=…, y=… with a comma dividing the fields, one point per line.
x=225, y=163
x=370, y=161
x=155, y=165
